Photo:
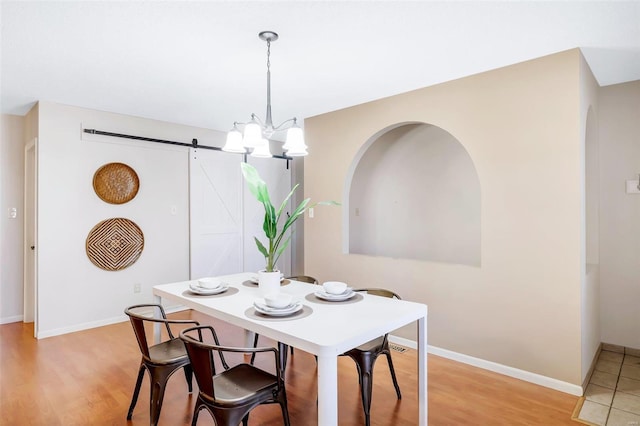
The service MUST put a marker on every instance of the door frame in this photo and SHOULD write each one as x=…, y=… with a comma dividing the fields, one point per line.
x=30, y=235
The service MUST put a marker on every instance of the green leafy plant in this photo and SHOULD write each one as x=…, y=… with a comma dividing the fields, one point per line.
x=276, y=237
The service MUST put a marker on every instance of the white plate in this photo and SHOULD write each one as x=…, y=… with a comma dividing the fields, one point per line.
x=348, y=294
x=194, y=288
x=254, y=279
x=259, y=306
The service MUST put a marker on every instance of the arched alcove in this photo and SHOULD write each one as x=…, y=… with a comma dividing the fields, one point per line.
x=414, y=193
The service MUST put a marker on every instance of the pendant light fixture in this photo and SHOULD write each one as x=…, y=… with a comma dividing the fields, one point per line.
x=255, y=134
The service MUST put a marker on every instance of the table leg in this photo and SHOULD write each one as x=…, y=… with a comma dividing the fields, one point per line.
x=328, y=390
x=422, y=371
x=156, y=326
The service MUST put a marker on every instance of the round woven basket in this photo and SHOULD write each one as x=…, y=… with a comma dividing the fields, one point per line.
x=115, y=244
x=116, y=183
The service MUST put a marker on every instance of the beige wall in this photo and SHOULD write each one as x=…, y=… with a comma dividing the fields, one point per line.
x=619, y=214
x=384, y=206
x=520, y=125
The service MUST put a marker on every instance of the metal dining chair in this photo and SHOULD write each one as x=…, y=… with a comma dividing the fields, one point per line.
x=303, y=278
x=162, y=359
x=281, y=346
x=365, y=357
x=229, y=395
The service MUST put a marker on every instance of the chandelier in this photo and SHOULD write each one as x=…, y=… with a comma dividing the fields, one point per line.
x=256, y=133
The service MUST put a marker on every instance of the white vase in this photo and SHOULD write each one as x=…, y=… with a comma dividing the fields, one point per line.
x=268, y=282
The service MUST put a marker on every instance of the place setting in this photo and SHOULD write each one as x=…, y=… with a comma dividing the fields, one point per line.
x=210, y=287
x=334, y=292
x=278, y=306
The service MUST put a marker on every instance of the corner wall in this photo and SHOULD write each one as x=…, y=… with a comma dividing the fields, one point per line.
x=590, y=284
x=619, y=214
x=520, y=125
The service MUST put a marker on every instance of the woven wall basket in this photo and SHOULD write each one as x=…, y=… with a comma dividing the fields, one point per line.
x=116, y=183
x=115, y=244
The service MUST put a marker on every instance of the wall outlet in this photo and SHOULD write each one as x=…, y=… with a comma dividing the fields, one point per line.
x=137, y=288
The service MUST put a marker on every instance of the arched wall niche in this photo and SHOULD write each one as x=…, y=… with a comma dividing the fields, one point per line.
x=412, y=192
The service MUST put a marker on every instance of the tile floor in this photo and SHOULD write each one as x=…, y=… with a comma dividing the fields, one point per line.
x=612, y=397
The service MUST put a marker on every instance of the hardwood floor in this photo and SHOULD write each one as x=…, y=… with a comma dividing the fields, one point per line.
x=87, y=378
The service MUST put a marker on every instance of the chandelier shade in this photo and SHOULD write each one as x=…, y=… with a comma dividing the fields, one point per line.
x=234, y=141
x=262, y=150
x=255, y=134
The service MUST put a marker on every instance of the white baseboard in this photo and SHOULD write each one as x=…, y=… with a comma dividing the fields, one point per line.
x=15, y=318
x=94, y=324
x=42, y=334
x=516, y=373
x=455, y=356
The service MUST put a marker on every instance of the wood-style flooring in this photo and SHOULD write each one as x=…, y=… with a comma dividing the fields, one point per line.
x=87, y=378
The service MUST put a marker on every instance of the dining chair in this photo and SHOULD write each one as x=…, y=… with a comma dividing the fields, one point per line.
x=365, y=357
x=230, y=393
x=303, y=278
x=281, y=346
x=160, y=360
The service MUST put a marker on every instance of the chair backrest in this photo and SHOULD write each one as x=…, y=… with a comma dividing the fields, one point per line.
x=304, y=279
x=146, y=313
x=380, y=292
x=201, y=354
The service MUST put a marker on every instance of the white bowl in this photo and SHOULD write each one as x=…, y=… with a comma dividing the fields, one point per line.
x=278, y=300
x=334, y=287
x=209, y=283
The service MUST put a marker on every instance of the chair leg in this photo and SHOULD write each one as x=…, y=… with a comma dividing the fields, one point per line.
x=365, y=361
x=393, y=375
x=136, y=391
x=282, y=348
x=159, y=377
x=285, y=409
x=255, y=345
x=188, y=374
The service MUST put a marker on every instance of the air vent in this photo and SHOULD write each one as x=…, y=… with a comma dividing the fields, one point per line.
x=397, y=348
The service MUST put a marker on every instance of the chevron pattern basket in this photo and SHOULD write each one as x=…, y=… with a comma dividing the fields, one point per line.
x=115, y=244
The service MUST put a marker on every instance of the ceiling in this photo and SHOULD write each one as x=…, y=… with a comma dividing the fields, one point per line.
x=202, y=64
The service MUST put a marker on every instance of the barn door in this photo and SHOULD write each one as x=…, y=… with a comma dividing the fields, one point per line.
x=215, y=213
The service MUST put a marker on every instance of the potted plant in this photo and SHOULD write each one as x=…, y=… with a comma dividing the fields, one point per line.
x=275, y=232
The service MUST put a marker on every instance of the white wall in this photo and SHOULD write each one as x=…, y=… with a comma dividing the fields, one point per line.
x=619, y=214
x=74, y=293
x=12, y=143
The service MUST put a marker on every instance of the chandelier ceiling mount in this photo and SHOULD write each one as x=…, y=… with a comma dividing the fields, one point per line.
x=256, y=133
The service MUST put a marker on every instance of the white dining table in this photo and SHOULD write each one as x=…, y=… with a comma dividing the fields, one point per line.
x=321, y=328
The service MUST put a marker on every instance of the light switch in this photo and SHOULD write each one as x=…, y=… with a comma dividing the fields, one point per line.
x=632, y=187
x=13, y=213
x=311, y=212
x=174, y=210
